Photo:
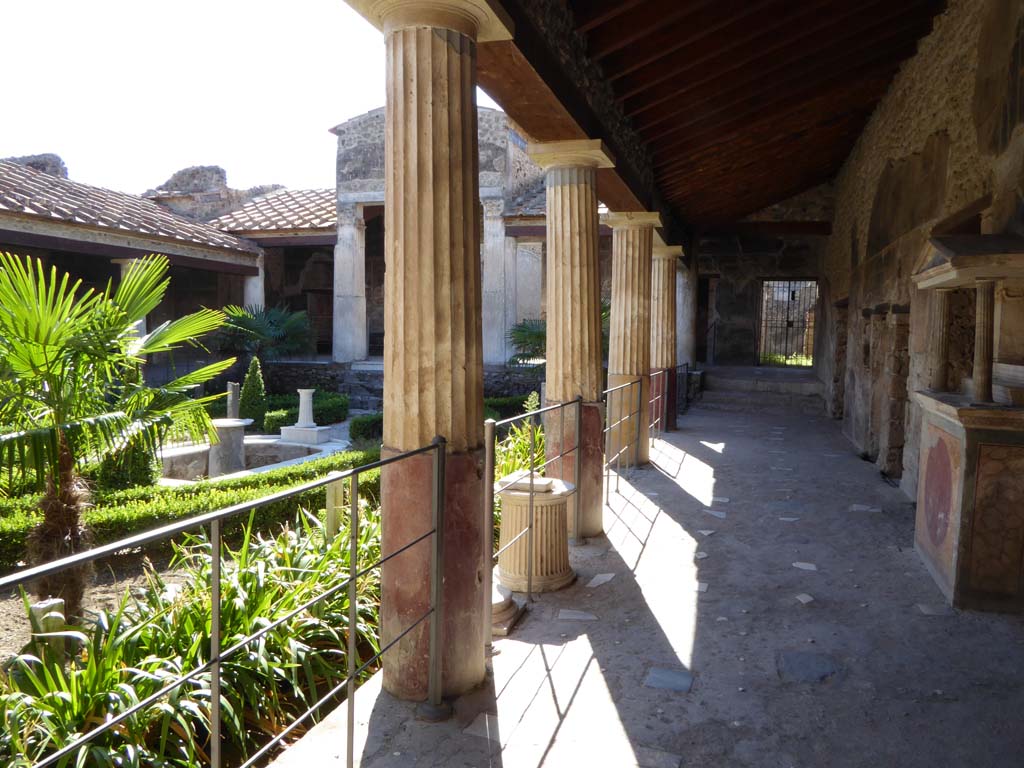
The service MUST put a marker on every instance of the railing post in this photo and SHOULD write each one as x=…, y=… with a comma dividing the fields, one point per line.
x=529, y=535
x=335, y=500
x=215, y=708
x=353, y=611
x=578, y=468
x=640, y=420
x=488, y=533
x=434, y=709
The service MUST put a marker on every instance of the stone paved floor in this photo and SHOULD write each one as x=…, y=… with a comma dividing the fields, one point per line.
x=848, y=659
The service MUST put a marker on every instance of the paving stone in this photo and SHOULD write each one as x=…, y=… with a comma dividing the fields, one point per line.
x=702, y=586
x=648, y=757
x=721, y=499
x=804, y=598
x=599, y=579
x=567, y=614
x=783, y=469
x=864, y=508
x=484, y=725
x=776, y=439
x=705, y=532
x=715, y=513
x=789, y=519
x=701, y=555
x=805, y=566
x=934, y=610
x=669, y=679
x=806, y=667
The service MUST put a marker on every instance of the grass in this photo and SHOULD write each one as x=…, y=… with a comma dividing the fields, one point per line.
x=794, y=360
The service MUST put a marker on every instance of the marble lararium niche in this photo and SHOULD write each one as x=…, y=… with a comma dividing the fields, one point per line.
x=970, y=504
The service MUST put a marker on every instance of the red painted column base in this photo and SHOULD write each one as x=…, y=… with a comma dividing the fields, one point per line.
x=406, y=494
x=591, y=484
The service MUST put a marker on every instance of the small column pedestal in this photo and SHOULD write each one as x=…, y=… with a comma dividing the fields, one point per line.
x=227, y=455
x=551, y=569
x=305, y=430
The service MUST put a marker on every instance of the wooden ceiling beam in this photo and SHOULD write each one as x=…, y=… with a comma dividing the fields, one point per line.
x=651, y=17
x=709, y=23
x=800, y=53
x=688, y=136
x=842, y=65
x=746, y=139
x=594, y=13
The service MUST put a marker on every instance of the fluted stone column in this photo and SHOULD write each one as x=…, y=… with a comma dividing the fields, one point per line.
x=938, y=338
x=663, y=334
x=433, y=366
x=984, y=323
x=348, y=333
x=686, y=314
x=498, y=281
x=629, y=352
x=574, y=319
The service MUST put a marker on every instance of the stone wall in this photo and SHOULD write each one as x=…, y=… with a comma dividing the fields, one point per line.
x=945, y=135
x=202, y=193
x=741, y=265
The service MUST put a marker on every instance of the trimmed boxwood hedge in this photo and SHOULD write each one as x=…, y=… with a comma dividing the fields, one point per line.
x=506, y=407
x=328, y=408
x=123, y=513
x=367, y=427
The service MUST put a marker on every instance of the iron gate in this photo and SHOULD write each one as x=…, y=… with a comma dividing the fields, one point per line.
x=787, y=322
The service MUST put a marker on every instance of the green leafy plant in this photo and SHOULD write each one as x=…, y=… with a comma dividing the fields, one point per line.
x=131, y=466
x=270, y=332
x=162, y=631
x=506, y=407
x=529, y=338
x=252, y=399
x=71, y=390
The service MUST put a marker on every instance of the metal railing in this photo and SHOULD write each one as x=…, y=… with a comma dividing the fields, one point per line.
x=491, y=486
x=623, y=409
x=682, y=388
x=657, y=404
x=336, y=485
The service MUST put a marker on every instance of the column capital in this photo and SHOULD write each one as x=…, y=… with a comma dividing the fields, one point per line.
x=351, y=214
x=667, y=251
x=481, y=20
x=632, y=220
x=578, y=153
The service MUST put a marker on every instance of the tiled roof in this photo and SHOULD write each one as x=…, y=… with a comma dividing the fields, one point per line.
x=531, y=200
x=284, y=210
x=26, y=191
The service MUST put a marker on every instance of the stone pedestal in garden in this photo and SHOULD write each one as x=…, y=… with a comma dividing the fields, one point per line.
x=305, y=429
x=228, y=454
x=551, y=570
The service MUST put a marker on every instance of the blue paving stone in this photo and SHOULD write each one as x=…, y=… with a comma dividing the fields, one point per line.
x=669, y=679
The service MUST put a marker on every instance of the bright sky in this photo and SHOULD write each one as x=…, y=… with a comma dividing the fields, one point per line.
x=128, y=92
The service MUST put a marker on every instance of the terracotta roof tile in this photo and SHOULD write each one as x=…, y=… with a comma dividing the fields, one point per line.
x=24, y=190
x=286, y=209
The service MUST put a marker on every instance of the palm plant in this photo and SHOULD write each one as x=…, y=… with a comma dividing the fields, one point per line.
x=71, y=390
x=269, y=332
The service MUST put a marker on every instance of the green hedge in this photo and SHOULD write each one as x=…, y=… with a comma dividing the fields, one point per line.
x=368, y=427
x=123, y=513
x=506, y=407
x=328, y=408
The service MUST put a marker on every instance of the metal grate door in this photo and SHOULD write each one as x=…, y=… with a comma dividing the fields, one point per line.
x=787, y=322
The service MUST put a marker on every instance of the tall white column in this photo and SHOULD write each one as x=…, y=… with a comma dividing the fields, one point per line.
x=686, y=314
x=495, y=282
x=349, y=338
x=253, y=288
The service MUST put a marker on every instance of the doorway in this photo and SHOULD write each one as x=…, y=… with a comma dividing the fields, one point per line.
x=786, y=335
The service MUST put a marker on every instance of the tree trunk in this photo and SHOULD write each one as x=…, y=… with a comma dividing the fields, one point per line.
x=62, y=534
